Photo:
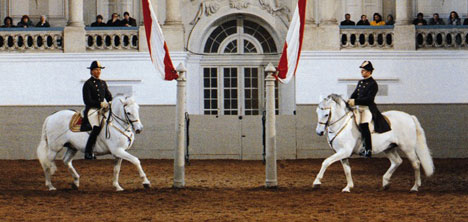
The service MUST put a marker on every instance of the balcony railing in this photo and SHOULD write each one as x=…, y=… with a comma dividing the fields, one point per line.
x=442, y=36
x=31, y=39
x=360, y=37
x=111, y=38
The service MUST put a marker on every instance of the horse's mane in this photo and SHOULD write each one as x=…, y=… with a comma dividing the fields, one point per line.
x=129, y=99
x=335, y=97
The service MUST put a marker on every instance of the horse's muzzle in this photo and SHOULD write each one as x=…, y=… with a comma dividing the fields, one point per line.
x=138, y=131
x=320, y=133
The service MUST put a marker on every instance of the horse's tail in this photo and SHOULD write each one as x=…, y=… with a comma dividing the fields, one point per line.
x=423, y=152
x=43, y=150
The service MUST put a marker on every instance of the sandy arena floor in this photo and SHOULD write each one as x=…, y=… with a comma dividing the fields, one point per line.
x=227, y=190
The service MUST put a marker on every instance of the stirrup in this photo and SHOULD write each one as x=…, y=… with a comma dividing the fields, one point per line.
x=88, y=156
x=366, y=153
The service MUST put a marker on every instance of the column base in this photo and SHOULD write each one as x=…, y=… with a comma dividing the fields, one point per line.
x=271, y=183
x=179, y=184
x=404, y=38
x=142, y=42
x=322, y=38
x=174, y=35
x=74, y=39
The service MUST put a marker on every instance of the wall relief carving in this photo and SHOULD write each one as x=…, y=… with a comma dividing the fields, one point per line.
x=274, y=7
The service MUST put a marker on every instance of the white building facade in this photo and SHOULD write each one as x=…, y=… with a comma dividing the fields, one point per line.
x=225, y=45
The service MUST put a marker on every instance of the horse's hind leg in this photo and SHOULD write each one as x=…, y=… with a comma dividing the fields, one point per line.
x=413, y=158
x=349, y=178
x=118, y=163
x=395, y=162
x=122, y=154
x=49, y=171
x=67, y=160
x=326, y=163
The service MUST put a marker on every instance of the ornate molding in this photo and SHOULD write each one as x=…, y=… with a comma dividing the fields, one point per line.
x=239, y=4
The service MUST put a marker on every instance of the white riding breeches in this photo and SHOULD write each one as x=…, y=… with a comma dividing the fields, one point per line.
x=94, y=117
x=366, y=115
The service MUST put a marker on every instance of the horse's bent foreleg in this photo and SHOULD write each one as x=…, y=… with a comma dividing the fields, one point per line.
x=349, y=178
x=326, y=163
x=395, y=162
x=122, y=154
x=67, y=160
x=117, y=164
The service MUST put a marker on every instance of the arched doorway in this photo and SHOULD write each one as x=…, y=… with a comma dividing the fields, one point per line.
x=236, y=52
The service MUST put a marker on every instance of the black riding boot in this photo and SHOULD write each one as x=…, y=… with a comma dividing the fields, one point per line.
x=367, y=139
x=90, y=144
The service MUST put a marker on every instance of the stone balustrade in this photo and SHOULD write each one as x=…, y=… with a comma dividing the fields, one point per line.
x=360, y=37
x=31, y=39
x=111, y=38
x=443, y=36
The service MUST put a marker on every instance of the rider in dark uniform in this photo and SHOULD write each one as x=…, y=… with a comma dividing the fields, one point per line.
x=94, y=92
x=363, y=97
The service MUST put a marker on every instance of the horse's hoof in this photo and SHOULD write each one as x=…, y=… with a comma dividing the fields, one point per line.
x=346, y=190
x=52, y=188
x=413, y=191
x=386, y=187
x=74, y=186
x=120, y=189
x=316, y=186
x=146, y=185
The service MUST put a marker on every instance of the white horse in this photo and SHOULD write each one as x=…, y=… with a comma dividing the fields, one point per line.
x=114, y=138
x=345, y=139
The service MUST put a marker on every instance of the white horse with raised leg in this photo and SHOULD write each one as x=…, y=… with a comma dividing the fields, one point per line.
x=344, y=138
x=114, y=138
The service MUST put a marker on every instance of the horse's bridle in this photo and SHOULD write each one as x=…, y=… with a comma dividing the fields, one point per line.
x=127, y=119
x=327, y=124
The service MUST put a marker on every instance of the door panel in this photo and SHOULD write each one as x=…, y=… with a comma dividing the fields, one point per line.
x=214, y=137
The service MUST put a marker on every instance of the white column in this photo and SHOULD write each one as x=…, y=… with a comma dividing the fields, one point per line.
x=403, y=12
x=76, y=13
x=270, y=135
x=328, y=10
x=173, y=12
x=310, y=13
x=179, y=161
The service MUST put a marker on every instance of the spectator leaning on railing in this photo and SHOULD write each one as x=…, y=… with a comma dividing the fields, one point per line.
x=454, y=19
x=114, y=21
x=377, y=20
x=363, y=20
x=420, y=20
x=25, y=22
x=390, y=20
x=99, y=22
x=436, y=20
x=127, y=20
x=43, y=22
x=465, y=22
x=8, y=22
x=347, y=20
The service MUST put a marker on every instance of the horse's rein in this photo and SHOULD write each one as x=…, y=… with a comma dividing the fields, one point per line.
x=327, y=125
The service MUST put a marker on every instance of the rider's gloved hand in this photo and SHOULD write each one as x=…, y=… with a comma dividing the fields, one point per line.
x=351, y=102
x=104, y=105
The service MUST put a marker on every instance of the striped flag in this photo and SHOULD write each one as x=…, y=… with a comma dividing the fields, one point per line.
x=157, y=46
x=292, y=47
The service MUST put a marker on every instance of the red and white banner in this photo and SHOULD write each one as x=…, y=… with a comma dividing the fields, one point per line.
x=292, y=47
x=157, y=46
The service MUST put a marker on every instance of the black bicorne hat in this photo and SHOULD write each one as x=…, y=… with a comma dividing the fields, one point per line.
x=96, y=64
x=367, y=65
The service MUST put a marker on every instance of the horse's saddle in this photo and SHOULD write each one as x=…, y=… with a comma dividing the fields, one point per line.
x=371, y=124
x=77, y=121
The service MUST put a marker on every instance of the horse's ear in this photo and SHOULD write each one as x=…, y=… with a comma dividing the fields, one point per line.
x=320, y=98
x=122, y=101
